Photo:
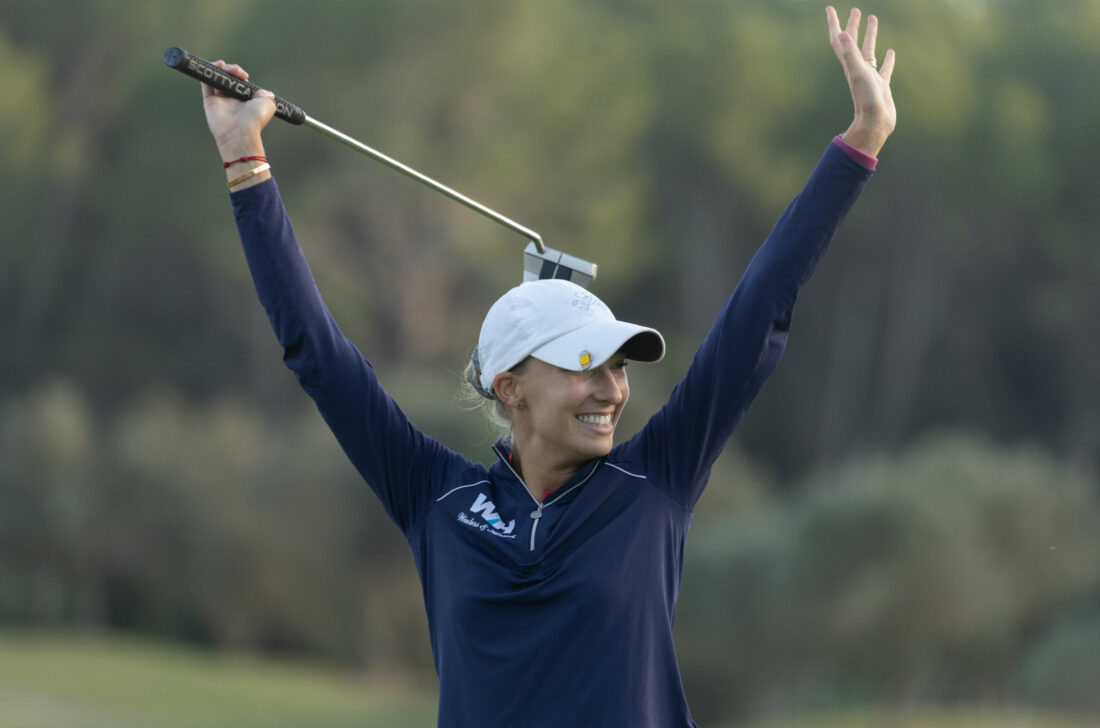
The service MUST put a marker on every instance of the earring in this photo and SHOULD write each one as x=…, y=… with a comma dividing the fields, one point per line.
x=519, y=405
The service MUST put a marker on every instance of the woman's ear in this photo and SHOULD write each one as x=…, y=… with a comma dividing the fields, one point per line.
x=507, y=386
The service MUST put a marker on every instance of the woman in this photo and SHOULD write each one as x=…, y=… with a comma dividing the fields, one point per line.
x=550, y=579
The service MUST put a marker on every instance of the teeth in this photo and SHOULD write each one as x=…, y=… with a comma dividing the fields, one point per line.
x=595, y=419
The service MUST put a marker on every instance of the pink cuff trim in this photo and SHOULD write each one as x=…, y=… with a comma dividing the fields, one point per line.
x=861, y=157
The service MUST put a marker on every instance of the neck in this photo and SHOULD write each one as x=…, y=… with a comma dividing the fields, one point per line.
x=541, y=475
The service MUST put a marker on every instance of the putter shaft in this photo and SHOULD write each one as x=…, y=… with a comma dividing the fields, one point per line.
x=424, y=179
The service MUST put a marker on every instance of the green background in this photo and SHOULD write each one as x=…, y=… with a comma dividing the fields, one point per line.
x=906, y=526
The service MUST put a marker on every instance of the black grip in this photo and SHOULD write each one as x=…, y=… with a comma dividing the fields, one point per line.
x=210, y=74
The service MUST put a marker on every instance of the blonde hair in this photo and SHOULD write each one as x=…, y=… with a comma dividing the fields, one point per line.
x=471, y=396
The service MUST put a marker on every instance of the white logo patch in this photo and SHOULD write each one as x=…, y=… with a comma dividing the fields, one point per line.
x=493, y=523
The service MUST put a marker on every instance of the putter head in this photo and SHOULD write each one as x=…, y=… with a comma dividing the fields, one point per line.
x=556, y=264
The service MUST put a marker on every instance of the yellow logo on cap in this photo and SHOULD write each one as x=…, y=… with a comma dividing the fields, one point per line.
x=586, y=359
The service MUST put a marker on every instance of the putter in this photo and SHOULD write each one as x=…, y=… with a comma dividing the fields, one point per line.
x=539, y=261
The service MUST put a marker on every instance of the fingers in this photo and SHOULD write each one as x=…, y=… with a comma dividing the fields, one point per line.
x=233, y=68
x=887, y=66
x=843, y=41
x=243, y=74
x=832, y=21
x=853, y=24
x=870, y=37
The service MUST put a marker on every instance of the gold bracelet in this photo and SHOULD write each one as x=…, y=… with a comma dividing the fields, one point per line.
x=249, y=175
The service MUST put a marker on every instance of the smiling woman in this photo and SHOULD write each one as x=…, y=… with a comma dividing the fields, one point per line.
x=554, y=357
x=551, y=577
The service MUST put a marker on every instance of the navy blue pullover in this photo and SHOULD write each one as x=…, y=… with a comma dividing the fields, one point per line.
x=555, y=614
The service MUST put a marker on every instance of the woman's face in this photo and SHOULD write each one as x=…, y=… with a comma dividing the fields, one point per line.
x=569, y=417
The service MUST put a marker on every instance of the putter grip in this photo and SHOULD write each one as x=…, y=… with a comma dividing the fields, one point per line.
x=210, y=74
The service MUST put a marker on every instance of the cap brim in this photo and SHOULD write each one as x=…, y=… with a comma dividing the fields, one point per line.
x=592, y=345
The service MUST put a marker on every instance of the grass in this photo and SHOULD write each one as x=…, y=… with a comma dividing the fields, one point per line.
x=937, y=718
x=65, y=681
x=56, y=681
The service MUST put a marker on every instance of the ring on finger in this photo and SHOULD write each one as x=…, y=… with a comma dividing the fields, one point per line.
x=871, y=60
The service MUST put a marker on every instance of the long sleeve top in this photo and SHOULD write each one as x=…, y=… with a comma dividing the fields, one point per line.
x=556, y=613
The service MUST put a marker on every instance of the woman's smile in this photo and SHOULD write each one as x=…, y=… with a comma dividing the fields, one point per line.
x=600, y=421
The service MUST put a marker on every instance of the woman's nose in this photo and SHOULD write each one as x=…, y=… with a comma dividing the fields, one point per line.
x=609, y=388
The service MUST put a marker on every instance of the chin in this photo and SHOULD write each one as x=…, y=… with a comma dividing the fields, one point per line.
x=598, y=450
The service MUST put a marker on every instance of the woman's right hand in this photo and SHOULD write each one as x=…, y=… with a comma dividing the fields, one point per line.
x=875, y=115
x=236, y=124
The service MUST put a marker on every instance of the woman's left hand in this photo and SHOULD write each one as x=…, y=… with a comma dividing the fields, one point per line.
x=875, y=115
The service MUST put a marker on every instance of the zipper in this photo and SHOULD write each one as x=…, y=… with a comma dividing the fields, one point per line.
x=536, y=514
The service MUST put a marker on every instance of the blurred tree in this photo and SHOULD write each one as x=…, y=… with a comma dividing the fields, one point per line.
x=48, y=504
x=1060, y=669
x=237, y=531
x=158, y=472
x=891, y=579
x=651, y=139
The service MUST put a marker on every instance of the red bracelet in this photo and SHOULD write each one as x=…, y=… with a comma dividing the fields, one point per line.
x=226, y=165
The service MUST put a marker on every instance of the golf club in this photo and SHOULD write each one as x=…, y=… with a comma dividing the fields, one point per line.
x=539, y=260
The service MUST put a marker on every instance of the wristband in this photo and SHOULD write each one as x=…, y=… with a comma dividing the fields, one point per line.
x=255, y=171
x=258, y=158
x=861, y=157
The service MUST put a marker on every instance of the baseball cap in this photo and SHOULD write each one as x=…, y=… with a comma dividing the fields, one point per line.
x=560, y=323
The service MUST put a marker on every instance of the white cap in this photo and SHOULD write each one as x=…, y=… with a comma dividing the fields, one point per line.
x=559, y=323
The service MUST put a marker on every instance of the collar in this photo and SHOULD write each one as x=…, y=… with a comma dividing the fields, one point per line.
x=503, y=450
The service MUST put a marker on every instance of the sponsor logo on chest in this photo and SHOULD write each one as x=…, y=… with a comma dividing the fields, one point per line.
x=490, y=521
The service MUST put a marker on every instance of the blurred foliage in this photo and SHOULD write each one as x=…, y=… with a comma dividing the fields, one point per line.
x=660, y=141
x=922, y=576
x=1061, y=667
x=159, y=471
